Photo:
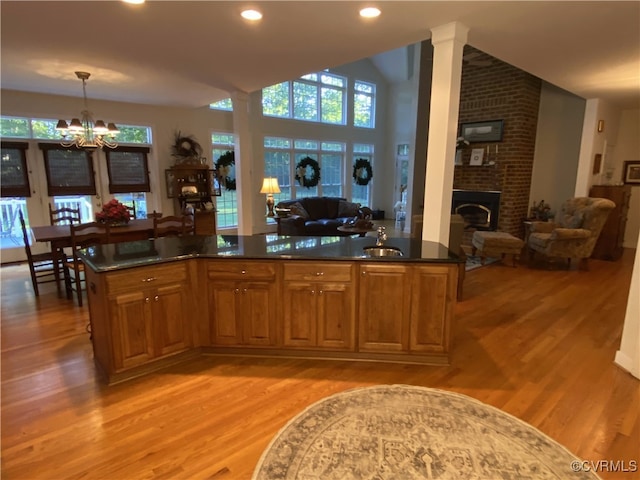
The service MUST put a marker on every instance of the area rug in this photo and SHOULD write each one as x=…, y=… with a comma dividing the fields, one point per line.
x=404, y=432
x=474, y=262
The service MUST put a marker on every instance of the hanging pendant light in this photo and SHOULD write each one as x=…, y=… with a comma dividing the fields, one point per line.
x=84, y=132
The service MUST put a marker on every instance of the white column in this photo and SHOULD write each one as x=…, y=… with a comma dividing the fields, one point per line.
x=448, y=43
x=243, y=157
x=628, y=357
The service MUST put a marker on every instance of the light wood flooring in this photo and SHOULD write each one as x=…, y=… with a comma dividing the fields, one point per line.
x=536, y=343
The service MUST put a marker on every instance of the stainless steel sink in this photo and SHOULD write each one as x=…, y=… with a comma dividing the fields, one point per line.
x=382, y=251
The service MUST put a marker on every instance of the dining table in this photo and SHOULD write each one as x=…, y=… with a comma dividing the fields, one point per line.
x=60, y=235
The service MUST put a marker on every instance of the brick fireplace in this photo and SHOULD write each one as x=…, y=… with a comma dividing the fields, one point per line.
x=500, y=91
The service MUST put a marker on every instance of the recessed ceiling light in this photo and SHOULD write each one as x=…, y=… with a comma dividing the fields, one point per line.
x=134, y=2
x=251, y=15
x=369, y=12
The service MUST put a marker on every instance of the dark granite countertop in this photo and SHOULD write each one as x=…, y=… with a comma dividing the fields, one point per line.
x=118, y=256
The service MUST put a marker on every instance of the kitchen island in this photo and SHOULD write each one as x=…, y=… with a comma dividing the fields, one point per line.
x=162, y=301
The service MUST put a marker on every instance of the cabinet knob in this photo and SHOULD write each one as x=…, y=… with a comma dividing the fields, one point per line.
x=156, y=298
x=149, y=279
x=319, y=274
x=313, y=292
x=236, y=291
x=243, y=272
x=146, y=300
x=244, y=290
x=364, y=273
x=320, y=292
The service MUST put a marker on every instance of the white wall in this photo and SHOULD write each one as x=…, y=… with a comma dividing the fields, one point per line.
x=627, y=147
x=555, y=162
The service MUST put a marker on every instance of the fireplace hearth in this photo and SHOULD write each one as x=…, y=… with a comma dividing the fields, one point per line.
x=480, y=209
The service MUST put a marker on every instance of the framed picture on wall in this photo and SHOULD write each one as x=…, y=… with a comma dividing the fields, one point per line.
x=631, y=172
x=489, y=131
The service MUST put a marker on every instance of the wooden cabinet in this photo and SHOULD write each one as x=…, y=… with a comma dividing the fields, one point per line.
x=241, y=298
x=609, y=244
x=145, y=316
x=194, y=186
x=318, y=305
x=406, y=309
x=433, y=289
x=383, y=307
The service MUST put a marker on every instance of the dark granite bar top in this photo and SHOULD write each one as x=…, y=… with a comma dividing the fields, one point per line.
x=115, y=256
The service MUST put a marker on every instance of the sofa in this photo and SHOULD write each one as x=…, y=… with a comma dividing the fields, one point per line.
x=574, y=231
x=319, y=216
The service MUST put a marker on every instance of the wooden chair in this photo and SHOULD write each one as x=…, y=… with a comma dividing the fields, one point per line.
x=172, y=225
x=82, y=235
x=154, y=214
x=44, y=267
x=64, y=215
x=132, y=210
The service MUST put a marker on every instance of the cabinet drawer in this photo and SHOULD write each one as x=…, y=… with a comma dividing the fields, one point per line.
x=321, y=271
x=239, y=270
x=139, y=278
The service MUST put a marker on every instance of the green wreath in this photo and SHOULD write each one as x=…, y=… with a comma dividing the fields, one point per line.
x=301, y=172
x=223, y=166
x=362, y=171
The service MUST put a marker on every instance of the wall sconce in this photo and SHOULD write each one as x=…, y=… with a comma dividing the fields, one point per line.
x=270, y=186
x=600, y=126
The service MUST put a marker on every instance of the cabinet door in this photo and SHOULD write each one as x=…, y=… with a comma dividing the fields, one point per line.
x=132, y=334
x=299, y=314
x=257, y=313
x=384, y=324
x=169, y=320
x=223, y=313
x=432, y=297
x=335, y=305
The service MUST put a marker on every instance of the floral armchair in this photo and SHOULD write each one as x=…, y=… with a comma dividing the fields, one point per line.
x=574, y=232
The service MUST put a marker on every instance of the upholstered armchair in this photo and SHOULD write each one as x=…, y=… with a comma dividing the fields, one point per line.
x=574, y=231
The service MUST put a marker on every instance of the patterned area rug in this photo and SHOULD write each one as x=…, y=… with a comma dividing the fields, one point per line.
x=405, y=432
x=475, y=262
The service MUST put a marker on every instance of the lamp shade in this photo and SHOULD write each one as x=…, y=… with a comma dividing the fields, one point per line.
x=270, y=185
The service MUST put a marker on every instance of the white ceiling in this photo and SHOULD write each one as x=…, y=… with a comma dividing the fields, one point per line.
x=193, y=53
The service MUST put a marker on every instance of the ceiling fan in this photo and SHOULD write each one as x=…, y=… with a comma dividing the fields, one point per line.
x=470, y=59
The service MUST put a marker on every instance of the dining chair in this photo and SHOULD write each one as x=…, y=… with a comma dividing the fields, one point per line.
x=83, y=235
x=132, y=210
x=45, y=267
x=172, y=225
x=64, y=215
x=154, y=214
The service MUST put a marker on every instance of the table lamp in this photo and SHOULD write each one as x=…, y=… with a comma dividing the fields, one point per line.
x=270, y=186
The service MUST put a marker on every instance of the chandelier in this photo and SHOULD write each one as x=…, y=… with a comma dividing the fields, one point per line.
x=85, y=133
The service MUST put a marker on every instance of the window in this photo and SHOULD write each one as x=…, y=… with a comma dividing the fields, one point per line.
x=225, y=104
x=282, y=156
x=361, y=193
x=226, y=204
x=69, y=171
x=13, y=127
x=128, y=169
x=275, y=100
x=364, y=97
x=316, y=97
x=14, y=176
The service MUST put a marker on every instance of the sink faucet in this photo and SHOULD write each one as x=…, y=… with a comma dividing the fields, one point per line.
x=382, y=236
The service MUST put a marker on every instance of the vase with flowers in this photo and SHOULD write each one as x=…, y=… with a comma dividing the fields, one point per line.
x=114, y=213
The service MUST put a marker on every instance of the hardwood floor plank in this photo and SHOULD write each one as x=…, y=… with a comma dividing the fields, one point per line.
x=538, y=344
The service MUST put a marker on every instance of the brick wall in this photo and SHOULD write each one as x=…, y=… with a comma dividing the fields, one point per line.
x=501, y=91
